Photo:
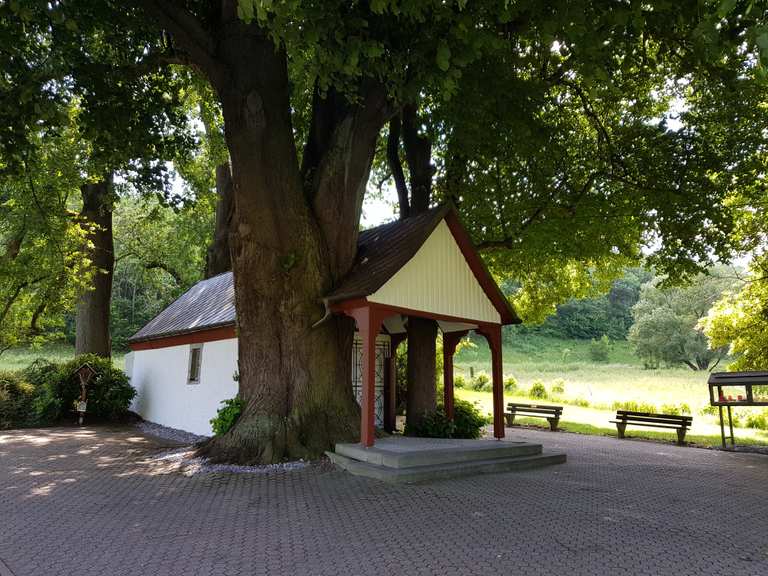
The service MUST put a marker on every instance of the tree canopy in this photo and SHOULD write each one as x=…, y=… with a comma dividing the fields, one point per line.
x=666, y=328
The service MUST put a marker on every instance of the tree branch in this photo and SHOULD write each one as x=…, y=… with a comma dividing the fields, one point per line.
x=393, y=159
x=157, y=265
x=418, y=154
x=185, y=29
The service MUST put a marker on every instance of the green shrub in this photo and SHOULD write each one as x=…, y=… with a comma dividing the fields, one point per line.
x=600, y=350
x=227, y=415
x=17, y=398
x=583, y=402
x=759, y=420
x=538, y=390
x=558, y=386
x=459, y=382
x=709, y=410
x=685, y=409
x=45, y=392
x=431, y=425
x=481, y=382
x=634, y=406
x=670, y=409
x=109, y=392
x=47, y=405
x=467, y=422
x=510, y=384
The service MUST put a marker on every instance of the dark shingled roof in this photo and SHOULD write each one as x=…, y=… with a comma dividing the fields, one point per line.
x=208, y=304
x=381, y=252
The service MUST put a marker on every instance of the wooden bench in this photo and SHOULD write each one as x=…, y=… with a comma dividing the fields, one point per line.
x=680, y=424
x=551, y=413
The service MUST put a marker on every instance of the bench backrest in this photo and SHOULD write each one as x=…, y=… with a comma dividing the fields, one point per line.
x=540, y=407
x=651, y=416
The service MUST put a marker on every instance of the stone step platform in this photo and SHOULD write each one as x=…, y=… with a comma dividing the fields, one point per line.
x=402, y=459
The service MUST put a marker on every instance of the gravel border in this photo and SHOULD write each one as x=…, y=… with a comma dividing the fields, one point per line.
x=181, y=436
x=183, y=459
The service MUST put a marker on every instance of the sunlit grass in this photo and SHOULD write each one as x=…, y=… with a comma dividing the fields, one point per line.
x=20, y=358
x=622, y=379
x=705, y=430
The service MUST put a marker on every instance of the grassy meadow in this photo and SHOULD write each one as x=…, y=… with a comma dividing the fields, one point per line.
x=20, y=358
x=597, y=386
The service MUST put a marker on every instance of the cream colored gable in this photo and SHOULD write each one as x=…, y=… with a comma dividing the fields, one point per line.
x=438, y=280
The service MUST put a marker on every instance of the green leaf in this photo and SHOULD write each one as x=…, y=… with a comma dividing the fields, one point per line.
x=443, y=58
x=762, y=44
x=378, y=6
x=726, y=7
x=245, y=10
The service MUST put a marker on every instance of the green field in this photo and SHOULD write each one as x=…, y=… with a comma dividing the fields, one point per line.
x=20, y=358
x=622, y=379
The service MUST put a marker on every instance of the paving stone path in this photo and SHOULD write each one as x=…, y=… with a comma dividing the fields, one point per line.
x=92, y=501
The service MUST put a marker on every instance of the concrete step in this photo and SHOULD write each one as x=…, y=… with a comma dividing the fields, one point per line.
x=446, y=470
x=400, y=452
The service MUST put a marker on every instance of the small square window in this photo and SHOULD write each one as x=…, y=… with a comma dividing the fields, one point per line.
x=195, y=362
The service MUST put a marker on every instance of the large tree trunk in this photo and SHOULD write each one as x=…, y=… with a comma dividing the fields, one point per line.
x=293, y=236
x=421, y=392
x=218, y=259
x=93, y=308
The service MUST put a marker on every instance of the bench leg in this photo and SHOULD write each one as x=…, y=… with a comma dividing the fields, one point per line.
x=621, y=428
x=553, y=422
x=510, y=418
x=681, y=436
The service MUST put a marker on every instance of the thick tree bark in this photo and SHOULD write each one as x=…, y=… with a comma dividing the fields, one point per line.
x=93, y=308
x=421, y=391
x=292, y=238
x=421, y=394
x=218, y=258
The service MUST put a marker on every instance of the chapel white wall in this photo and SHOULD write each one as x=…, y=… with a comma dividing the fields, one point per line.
x=163, y=395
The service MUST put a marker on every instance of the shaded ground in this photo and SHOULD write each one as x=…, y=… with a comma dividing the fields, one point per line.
x=92, y=501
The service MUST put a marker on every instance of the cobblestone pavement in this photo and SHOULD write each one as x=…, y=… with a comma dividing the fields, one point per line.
x=90, y=502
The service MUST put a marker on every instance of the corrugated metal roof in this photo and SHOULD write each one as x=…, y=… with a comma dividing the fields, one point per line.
x=208, y=304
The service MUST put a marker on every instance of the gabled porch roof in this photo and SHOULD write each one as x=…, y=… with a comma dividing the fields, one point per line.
x=424, y=265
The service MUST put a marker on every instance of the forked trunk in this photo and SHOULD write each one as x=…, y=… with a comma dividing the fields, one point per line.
x=93, y=308
x=294, y=364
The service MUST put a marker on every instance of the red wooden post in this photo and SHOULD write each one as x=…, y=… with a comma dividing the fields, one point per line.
x=450, y=341
x=368, y=323
x=390, y=393
x=492, y=333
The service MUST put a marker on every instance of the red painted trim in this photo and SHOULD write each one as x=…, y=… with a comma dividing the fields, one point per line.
x=348, y=305
x=210, y=335
x=493, y=335
x=450, y=341
x=476, y=264
x=369, y=320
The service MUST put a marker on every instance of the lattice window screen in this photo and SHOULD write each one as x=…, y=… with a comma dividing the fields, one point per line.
x=382, y=353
